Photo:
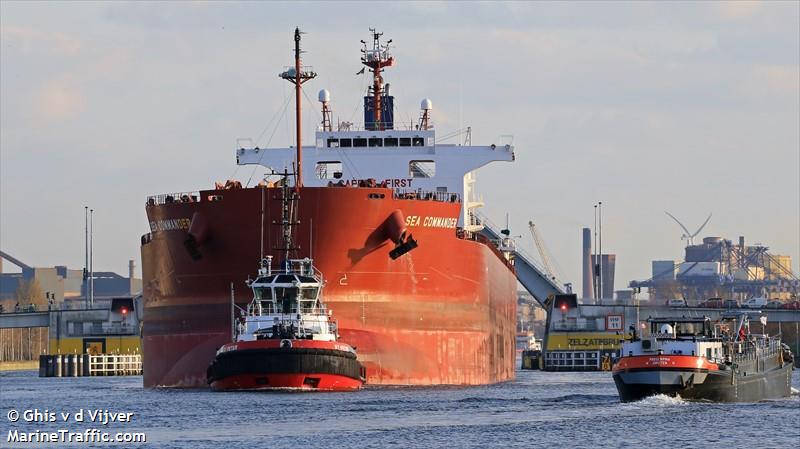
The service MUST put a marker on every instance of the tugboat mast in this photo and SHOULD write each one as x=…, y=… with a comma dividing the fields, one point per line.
x=298, y=77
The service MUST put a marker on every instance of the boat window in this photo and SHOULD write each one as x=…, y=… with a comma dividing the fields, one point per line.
x=284, y=278
x=328, y=170
x=262, y=292
x=267, y=308
x=405, y=141
x=375, y=142
x=345, y=143
x=286, y=293
x=307, y=306
x=310, y=293
x=418, y=142
x=422, y=169
x=688, y=329
x=333, y=143
x=359, y=142
x=306, y=279
x=390, y=142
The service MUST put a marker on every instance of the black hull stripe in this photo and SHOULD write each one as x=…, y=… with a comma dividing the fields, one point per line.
x=284, y=361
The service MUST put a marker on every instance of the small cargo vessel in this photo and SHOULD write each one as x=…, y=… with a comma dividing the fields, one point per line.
x=286, y=338
x=697, y=359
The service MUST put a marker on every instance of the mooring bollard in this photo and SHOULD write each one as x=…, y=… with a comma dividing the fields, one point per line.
x=86, y=364
x=73, y=365
x=58, y=365
x=42, y=365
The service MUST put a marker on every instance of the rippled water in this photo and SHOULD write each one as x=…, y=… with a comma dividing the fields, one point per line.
x=536, y=410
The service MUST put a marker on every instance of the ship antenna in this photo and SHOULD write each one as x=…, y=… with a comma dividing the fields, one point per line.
x=376, y=59
x=297, y=76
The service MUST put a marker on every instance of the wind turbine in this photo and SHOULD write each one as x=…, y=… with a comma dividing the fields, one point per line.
x=688, y=236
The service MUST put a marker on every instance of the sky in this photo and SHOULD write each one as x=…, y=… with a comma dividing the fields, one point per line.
x=691, y=108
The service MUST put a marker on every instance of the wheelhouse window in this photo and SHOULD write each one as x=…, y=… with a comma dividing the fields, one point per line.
x=390, y=142
x=422, y=169
x=286, y=293
x=286, y=298
x=405, y=141
x=333, y=143
x=359, y=142
x=375, y=142
x=309, y=293
x=418, y=142
x=262, y=292
x=267, y=307
x=345, y=143
x=307, y=306
x=329, y=170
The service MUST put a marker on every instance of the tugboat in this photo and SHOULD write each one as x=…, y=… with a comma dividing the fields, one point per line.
x=697, y=359
x=287, y=338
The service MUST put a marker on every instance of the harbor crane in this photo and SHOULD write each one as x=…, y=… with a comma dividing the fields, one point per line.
x=537, y=239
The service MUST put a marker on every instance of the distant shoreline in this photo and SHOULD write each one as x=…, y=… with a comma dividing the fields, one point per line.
x=22, y=365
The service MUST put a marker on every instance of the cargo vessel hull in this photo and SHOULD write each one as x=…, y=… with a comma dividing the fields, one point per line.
x=694, y=383
x=443, y=313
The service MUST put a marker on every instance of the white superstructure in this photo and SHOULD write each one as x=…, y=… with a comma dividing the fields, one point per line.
x=378, y=155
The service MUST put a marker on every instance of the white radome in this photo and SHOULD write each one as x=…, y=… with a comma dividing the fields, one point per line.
x=426, y=104
x=324, y=96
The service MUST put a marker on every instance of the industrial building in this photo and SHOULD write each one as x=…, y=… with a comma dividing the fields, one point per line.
x=598, y=271
x=720, y=268
x=60, y=284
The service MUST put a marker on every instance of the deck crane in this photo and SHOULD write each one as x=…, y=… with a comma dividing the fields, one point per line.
x=537, y=239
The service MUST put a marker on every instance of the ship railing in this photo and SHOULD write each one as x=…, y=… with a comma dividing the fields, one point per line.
x=359, y=126
x=573, y=326
x=300, y=267
x=104, y=329
x=444, y=197
x=303, y=327
x=77, y=304
x=534, y=261
x=177, y=197
x=753, y=349
x=480, y=238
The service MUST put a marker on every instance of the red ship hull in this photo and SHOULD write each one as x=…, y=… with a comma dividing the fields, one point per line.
x=296, y=381
x=444, y=313
x=276, y=364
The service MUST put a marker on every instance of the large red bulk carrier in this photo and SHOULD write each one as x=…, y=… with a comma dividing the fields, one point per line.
x=389, y=217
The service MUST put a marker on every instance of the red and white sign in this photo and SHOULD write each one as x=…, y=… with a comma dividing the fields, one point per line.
x=613, y=322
